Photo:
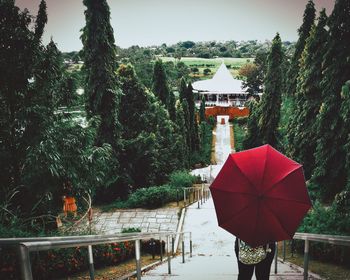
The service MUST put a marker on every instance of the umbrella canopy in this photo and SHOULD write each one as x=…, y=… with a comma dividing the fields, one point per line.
x=260, y=196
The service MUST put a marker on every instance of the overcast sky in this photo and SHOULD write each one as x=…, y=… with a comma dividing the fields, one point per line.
x=153, y=22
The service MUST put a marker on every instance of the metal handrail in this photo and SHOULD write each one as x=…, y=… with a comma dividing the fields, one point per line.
x=325, y=238
x=27, y=245
x=202, y=194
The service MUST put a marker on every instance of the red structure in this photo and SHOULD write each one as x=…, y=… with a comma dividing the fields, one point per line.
x=232, y=112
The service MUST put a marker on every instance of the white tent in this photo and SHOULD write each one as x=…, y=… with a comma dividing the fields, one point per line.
x=222, y=83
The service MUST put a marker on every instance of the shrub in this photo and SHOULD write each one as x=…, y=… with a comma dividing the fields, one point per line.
x=206, y=71
x=130, y=230
x=181, y=179
x=203, y=156
x=153, y=197
x=239, y=129
x=241, y=120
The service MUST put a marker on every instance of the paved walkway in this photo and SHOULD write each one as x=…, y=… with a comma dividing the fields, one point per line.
x=213, y=254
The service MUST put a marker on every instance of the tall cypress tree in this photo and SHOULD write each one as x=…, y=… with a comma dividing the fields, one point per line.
x=202, y=110
x=182, y=132
x=171, y=106
x=18, y=53
x=137, y=130
x=183, y=97
x=99, y=54
x=195, y=142
x=182, y=89
x=41, y=20
x=304, y=31
x=345, y=113
x=329, y=176
x=187, y=119
x=271, y=100
x=160, y=85
x=302, y=131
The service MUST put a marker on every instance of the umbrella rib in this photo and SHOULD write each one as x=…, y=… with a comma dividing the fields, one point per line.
x=275, y=184
x=279, y=198
x=239, y=192
x=273, y=213
x=244, y=175
x=265, y=163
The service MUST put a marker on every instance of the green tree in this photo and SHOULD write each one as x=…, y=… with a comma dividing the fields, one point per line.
x=99, y=52
x=303, y=31
x=171, y=106
x=18, y=52
x=302, y=134
x=202, y=110
x=167, y=153
x=183, y=97
x=345, y=114
x=182, y=136
x=41, y=20
x=40, y=109
x=67, y=95
x=138, y=132
x=329, y=175
x=195, y=142
x=255, y=77
x=271, y=100
x=252, y=138
x=160, y=85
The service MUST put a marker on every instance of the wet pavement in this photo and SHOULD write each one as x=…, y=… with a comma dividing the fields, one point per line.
x=213, y=254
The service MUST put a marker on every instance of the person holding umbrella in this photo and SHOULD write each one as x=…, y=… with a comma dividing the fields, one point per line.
x=260, y=197
x=258, y=259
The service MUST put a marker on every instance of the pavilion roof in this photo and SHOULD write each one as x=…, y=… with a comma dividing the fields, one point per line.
x=222, y=82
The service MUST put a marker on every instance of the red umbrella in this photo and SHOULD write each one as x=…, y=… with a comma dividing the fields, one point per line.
x=260, y=196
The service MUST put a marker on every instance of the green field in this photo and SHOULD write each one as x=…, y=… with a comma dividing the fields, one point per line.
x=212, y=63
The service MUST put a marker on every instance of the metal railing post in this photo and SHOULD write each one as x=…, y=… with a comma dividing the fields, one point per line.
x=190, y=244
x=184, y=197
x=168, y=253
x=276, y=254
x=173, y=245
x=91, y=263
x=284, y=250
x=177, y=197
x=24, y=262
x=153, y=249
x=202, y=194
x=198, y=198
x=183, y=249
x=161, y=248
x=138, y=259
x=306, y=259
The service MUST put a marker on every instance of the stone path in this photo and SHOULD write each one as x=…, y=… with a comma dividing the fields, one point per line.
x=165, y=219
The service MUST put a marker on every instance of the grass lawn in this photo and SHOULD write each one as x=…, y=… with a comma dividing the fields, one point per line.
x=212, y=63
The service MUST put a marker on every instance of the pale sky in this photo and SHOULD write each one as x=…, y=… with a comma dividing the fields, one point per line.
x=153, y=22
